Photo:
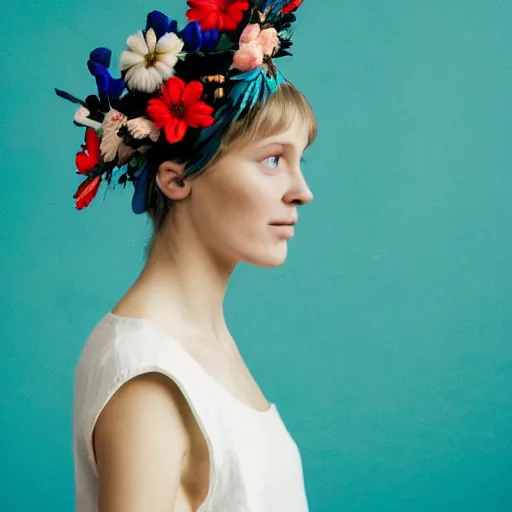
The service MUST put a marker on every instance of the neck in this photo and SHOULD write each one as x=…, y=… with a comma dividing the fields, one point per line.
x=183, y=286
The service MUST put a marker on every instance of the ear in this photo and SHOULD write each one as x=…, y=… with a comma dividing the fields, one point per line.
x=170, y=179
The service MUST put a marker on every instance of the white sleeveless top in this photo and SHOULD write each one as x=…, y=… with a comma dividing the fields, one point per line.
x=255, y=465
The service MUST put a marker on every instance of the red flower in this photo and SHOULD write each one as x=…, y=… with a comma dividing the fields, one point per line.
x=223, y=15
x=179, y=107
x=86, y=192
x=90, y=155
x=291, y=6
x=85, y=161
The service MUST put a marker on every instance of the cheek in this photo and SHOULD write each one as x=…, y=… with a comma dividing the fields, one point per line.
x=236, y=207
x=248, y=199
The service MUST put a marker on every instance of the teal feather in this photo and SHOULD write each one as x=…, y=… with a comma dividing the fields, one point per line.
x=250, y=89
x=247, y=75
x=247, y=96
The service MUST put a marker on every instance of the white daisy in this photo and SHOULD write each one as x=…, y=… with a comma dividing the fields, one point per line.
x=149, y=62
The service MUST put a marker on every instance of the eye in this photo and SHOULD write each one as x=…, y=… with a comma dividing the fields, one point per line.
x=272, y=161
x=302, y=160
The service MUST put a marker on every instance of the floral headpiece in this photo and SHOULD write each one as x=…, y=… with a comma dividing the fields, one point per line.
x=178, y=90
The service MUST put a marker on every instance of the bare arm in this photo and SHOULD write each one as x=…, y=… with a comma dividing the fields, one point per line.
x=141, y=441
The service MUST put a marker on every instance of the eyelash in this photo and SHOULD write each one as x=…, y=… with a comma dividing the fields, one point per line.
x=302, y=159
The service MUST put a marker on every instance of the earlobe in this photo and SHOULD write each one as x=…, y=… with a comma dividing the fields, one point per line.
x=171, y=181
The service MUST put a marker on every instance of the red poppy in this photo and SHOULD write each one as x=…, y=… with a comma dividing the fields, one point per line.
x=86, y=192
x=178, y=107
x=223, y=15
x=90, y=155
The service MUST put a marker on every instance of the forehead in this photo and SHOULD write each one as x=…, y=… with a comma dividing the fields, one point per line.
x=295, y=134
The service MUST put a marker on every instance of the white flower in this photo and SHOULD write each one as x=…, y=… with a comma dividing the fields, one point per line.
x=141, y=127
x=149, y=62
x=82, y=118
x=110, y=140
x=112, y=144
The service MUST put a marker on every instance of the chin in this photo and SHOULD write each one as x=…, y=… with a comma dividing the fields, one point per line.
x=273, y=257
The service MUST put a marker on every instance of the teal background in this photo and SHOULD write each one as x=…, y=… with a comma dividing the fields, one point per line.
x=385, y=339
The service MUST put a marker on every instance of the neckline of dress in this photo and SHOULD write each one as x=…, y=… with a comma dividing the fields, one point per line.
x=120, y=318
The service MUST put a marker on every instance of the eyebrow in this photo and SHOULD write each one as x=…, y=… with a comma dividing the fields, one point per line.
x=278, y=142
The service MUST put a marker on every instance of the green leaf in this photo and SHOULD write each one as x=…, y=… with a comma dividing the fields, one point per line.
x=224, y=43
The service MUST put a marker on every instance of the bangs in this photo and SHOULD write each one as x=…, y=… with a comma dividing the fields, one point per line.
x=274, y=117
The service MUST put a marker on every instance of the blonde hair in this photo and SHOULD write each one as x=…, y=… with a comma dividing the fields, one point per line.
x=273, y=117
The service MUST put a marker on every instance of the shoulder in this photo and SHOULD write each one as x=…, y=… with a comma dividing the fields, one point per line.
x=141, y=408
x=140, y=441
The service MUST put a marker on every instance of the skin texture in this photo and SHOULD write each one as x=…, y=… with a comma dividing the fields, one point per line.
x=151, y=453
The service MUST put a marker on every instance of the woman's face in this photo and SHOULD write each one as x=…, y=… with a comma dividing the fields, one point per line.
x=235, y=205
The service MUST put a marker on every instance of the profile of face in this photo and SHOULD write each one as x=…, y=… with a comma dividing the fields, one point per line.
x=238, y=208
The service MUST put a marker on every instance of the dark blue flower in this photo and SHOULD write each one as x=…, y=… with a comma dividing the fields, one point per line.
x=98, y=64
x=194, y=38
x=210, y=39
x=161, y=24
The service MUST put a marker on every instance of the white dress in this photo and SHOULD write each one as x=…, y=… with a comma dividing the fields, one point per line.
x=255, y=464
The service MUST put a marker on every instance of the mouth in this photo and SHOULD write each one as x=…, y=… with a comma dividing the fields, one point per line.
x=283, y=230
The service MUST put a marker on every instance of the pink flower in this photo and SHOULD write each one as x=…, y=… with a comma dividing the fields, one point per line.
x=254, y=45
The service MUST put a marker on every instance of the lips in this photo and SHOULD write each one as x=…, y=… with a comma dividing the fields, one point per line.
x=284, y=223
x=283, y=230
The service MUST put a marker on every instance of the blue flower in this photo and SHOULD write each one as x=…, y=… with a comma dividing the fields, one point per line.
x=161, y=24
x=98, y=64
x=195, y=39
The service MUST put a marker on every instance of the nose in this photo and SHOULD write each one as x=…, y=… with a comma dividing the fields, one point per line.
x=299, y=191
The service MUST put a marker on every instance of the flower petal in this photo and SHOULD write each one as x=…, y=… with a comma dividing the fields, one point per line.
x=248, y=57
x=101, y=56
x=82, y=118
x=144, y=79
x=269, y=40
x=151, y=40
x=172, y=90
x=240, y=5
x=195, y=15
x=214, y=20
x=92, y=141
x=141, y=127
x=201, y=108
x=86, y=192
x=210, y=38
x=192, y=37
x=169, y=43
x=136, y=43
x=192, y=93
x=160, y=23
x=168, y=59
x=164, y=70
x=199, y=121
x=250, y=33
x=129, y=59
x=109, y=145
x=158, y=112
x=175, y=130
x=200, y=115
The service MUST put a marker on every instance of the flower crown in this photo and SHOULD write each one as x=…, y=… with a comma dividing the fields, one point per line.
x=178, y=90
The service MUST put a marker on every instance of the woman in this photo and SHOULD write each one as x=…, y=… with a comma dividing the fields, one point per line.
x=166, y=414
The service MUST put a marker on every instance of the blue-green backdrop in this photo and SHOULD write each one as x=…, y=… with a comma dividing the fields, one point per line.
x=386, y=337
